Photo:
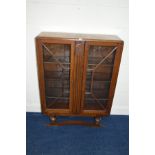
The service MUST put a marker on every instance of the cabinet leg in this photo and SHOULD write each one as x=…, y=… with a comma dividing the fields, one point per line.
x=97, y=121
x=53, y=119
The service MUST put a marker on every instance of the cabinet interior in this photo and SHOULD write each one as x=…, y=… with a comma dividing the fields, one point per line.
x=56, y=61
x=98, y=77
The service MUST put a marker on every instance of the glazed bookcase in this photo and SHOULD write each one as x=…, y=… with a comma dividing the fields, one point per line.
x=77, y=74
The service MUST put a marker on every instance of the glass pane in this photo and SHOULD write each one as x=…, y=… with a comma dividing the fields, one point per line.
x=56, y=59
x=98, y=76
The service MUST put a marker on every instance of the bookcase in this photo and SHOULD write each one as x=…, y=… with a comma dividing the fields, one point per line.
x=77, y=75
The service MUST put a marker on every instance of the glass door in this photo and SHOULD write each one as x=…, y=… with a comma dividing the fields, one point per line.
x=57, y=59
x=99, y=61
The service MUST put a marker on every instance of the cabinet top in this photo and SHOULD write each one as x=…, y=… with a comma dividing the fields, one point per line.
x=79, y=36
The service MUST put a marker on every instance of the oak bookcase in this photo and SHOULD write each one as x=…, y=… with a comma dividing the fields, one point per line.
x=77, y=74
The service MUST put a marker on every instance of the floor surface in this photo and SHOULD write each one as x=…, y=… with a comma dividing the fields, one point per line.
x=110, y=139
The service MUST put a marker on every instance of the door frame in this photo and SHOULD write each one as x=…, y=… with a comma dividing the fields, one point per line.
x=114, y=77
x=39, y=53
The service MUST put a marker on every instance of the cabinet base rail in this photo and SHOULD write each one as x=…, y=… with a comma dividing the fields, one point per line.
x=95, y=123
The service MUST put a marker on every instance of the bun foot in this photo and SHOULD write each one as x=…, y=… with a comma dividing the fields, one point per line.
x=53, y=119
x=97, y=121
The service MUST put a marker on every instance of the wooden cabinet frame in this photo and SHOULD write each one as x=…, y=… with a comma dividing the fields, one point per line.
x=79, y=48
